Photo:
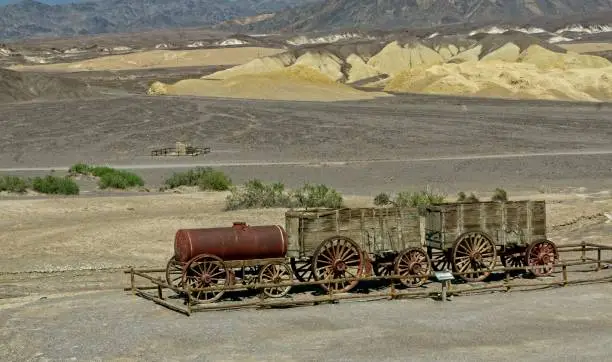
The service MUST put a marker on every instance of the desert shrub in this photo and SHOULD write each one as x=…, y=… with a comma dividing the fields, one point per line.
x=256, y=194
x=119, y=179
x=205, y=178
x=462, y=198
x=55, y=185
x=13, y=184
x=317, y=196
x=499, y=195
x=79, y=168
x=419, y=199
x=109, y=177
x=100, y=171
x=382, y=199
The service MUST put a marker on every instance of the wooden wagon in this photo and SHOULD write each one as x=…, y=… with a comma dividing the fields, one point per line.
x=468, y=237
x=353, y=242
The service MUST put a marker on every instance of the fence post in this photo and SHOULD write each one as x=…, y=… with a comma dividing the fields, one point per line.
x=583, y=251
x=598, y=259
x=132, y=280
x=564, y=275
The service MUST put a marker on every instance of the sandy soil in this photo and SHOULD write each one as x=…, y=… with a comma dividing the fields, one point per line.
x=85, y=233
x=158, y=59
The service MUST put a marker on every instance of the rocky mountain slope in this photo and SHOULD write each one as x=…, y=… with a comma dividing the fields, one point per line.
x=32, y=18
x=17, y=86
x=336, y=14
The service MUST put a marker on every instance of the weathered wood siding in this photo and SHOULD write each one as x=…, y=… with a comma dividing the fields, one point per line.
x=374, y=229
x=513, y=222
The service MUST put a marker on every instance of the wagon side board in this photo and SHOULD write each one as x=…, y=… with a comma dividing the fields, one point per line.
x=507, y=223
x=376, y=230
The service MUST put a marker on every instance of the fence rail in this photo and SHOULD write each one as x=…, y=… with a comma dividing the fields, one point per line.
x=261, y=301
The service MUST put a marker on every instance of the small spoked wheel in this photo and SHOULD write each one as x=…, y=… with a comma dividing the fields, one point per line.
x=413, y=263
x=541, y=257
x=276, y=273
x=205, y=271
x=174, y=273
x=338, y=257
x=474, y=254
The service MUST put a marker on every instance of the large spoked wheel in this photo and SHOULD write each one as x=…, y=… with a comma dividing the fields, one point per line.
x=541, y=257
x=440, y=260
x=174, y=273
x=474, y=253
x=276, y=273
x=302, y=270
x=337, y=258
x=205, y=271
x=414, y=263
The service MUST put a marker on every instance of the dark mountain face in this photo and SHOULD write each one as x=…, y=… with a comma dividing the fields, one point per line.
x=335, y=14
x=31, y=18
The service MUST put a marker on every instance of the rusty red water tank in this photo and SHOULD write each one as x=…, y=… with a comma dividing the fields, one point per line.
x=239, y=242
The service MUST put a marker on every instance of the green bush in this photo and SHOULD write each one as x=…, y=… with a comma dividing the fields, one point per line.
x=499, y=195
x=79, y=168
x=382, y=199
x=205, y=178
x=55, y=185
x=13, y=184
x=462, y=198
x=109, y=177
x=255, y=194
x=418, y=199
x=119, y=180
x=317, y=196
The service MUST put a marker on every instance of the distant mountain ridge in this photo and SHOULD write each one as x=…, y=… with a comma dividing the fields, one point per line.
x=337, y=14
x=30, y=18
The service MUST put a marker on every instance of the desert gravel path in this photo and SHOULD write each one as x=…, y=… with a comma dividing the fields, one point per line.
x=561, y=324
x=152, y=166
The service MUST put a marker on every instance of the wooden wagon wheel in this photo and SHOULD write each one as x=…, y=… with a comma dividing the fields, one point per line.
x=513, y=257
x=382, y=269
x=206, y=271
x=440, y=260
x=338, y=257
x=301, y=270
x=474, y=251
x=174, y=273
x=541, y=256
x=413, y=262
x=275, y=273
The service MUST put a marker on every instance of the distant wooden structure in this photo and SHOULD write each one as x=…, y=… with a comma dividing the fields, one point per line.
x=181, y=149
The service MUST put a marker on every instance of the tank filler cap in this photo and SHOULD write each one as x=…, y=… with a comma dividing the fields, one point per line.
x=240, y=224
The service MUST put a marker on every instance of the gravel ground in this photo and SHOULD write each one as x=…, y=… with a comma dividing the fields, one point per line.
x=563, y=324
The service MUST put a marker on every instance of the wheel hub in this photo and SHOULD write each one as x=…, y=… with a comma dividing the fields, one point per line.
x=477, y=257
x=339, y=266
x=415, y=268
x=544, y=259
x=206, y=279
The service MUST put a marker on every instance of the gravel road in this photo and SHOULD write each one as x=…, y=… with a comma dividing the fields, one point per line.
x=563, y=324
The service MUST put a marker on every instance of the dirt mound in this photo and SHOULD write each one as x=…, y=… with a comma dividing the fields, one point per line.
x=497, y=78
x=18, y=86
x=160, y=59
x=296, y=82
